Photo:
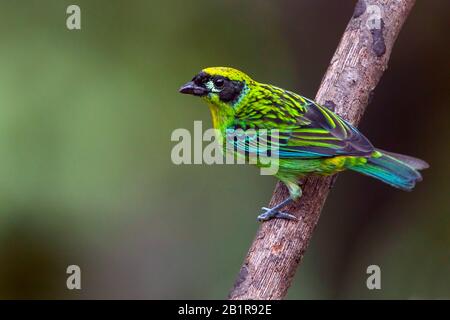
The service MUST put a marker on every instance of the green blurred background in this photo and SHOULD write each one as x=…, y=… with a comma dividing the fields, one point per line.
x=86, y=176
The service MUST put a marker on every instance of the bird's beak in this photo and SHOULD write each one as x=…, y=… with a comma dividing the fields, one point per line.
x=192, y=88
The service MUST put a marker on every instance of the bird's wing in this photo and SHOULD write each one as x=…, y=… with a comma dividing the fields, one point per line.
x=321, y=133
x=314, y=132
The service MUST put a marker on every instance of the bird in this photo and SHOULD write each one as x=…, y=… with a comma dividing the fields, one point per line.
x=313, y=140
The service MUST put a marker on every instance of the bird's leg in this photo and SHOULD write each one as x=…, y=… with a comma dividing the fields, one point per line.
x=295, y=192
x=271, y=213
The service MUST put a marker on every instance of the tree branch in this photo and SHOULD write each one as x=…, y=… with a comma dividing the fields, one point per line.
x=353, y=73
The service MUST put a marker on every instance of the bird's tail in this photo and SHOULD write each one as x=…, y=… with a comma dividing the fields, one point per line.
x=398, y=170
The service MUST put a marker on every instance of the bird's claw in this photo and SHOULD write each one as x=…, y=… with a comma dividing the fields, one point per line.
x=271, y=214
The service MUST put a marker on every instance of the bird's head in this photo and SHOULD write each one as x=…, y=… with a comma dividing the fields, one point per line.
x=220, y=86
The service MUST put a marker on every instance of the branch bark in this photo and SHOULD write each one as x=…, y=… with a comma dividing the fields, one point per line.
x=354, y=71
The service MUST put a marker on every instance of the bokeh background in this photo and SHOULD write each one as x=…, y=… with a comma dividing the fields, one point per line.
x=86, y=176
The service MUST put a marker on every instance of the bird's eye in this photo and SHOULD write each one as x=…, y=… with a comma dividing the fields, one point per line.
x=218, y=83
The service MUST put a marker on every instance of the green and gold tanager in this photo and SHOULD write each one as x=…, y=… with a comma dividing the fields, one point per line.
x=312, y=139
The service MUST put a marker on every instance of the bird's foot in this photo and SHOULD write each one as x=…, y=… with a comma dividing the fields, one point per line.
x=271, y=213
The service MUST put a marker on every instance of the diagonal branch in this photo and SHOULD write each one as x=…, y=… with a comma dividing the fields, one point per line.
x=354, y=71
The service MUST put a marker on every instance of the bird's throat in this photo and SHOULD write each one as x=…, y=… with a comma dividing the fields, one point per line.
x=219, y=117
